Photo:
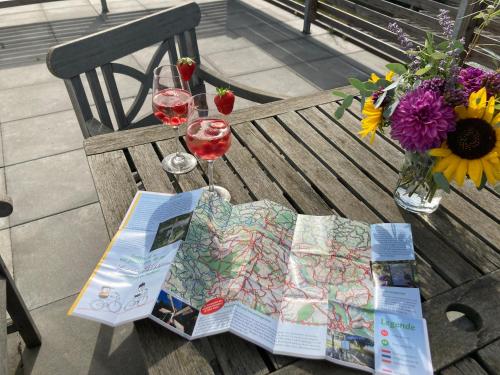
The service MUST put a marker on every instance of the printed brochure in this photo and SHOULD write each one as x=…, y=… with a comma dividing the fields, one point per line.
x=320, y=287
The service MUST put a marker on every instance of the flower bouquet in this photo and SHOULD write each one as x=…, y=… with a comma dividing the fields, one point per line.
x=443, y=114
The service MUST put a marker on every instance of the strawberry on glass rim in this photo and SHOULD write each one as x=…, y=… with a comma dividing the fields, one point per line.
x=224, y=100
x=186, y=67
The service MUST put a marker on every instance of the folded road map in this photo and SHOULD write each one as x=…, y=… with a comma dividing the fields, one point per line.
x=321, y=287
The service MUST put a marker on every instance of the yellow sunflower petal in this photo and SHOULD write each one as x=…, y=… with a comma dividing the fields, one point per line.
x=477, y=103
x=490, y=110
x=495, y=121
x=461, y=171
x=374, y=78
x=439, y=152
x=488, y=171
x=442, y=164
x=389, y=75
x=449, y=172
x=475, y=171
x=461, y=111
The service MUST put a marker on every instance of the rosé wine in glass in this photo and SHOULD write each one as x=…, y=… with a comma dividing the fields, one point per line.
x=170, y=106
x=208, y=138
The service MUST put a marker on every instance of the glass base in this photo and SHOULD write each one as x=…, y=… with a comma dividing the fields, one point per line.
x=416, y=203
x=179, y=163
x=222, y=192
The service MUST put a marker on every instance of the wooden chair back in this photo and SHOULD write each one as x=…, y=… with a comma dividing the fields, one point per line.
x=173, y=28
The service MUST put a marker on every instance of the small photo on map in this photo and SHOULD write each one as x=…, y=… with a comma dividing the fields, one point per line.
x=171, y=231
x=354, y=349
x=175, y=313
x=395, y=273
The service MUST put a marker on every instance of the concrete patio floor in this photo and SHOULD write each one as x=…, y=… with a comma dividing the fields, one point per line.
x=56, y=234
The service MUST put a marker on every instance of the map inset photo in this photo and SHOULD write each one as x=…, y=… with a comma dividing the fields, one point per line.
x=350, y=348
x=171, y=231
x=175, y=313
x=395, y=273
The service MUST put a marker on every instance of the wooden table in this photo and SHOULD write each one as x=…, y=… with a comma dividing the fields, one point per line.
x=293, y=152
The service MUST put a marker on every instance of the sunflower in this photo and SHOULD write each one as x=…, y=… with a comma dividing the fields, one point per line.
x=473, y=148
x=388, y=77
x=371, y=122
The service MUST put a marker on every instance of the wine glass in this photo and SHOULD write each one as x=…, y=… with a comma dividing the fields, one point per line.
x=171, y=98
x=208, y=136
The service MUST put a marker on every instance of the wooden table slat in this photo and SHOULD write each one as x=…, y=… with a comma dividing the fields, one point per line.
x=289, y=180
x=150, y=170
x=490, y=357
x=467, y=366
x=115, y=186
x=479, y=301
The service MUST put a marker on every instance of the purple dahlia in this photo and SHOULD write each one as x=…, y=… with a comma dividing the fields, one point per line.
x=492, y=83
x=472, y=79
x=422, y=120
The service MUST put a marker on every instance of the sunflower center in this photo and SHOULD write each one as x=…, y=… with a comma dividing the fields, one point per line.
x=472, y=139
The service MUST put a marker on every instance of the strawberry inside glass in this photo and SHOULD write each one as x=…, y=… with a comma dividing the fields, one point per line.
x=208, y=139
x=170, y=106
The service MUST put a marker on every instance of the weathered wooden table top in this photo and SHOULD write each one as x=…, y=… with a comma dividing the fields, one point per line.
x=293, y=152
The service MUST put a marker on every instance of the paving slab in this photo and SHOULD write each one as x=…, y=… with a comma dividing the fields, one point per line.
x=227, y=41
x=119, y=6
x=282, y=81
x=14, y=360
x=31, y=101
x=333, y=43
x=20, y=9
x=49, y=185
x=6, y=249
x=268, y=33
x=296, y=51
x=243, y=61
x=65, y=249
x=16, y=19
x=371, y=62
x=26, y=75
x=41, y=136
x=330, y=73
x=80, y=11
x=77, y=346
x=63, y=4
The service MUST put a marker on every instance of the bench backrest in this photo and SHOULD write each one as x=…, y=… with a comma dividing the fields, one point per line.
x=173, y=28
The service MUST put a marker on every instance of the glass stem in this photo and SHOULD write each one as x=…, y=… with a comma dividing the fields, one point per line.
x=178, y=142
x=211, y=176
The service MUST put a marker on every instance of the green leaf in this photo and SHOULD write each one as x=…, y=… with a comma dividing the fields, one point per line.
x=497, y=106
x=438, y=55
x=339, y=112
x=423, y=70
x=483, y=182
x=347, y=101
x=441, y=181
x=372, y=85
x=443, y=45
x=396, y=68
x=393, y=85
x=339, y=93
x=357, y=83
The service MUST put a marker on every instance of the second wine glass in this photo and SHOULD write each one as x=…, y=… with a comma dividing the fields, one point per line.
x=208, y=136
x=171, y=98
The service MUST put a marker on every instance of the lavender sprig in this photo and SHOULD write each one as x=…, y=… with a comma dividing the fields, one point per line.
x=403, y=38
x=446, y=23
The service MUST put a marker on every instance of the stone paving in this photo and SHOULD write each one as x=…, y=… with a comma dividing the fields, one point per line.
x=56, y=234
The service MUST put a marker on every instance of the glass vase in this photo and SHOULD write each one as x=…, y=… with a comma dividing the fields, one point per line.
x=416, y=190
